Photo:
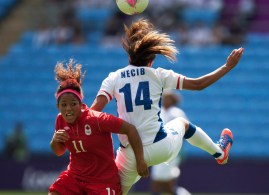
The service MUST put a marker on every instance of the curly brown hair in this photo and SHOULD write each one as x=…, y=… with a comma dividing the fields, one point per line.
x=69, y=76
x=142, y=42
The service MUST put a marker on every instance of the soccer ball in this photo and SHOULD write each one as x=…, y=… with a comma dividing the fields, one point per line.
x=131, y=7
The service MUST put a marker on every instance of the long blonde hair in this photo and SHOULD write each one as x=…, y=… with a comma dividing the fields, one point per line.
x=142, y=42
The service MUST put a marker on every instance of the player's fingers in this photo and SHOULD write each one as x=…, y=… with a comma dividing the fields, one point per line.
x=143, y=174
x=146, y=173
x=60, y=138
x=236, y=54
x=62, y=133
x=233, y=52
x=65, y=135
x=239, y=52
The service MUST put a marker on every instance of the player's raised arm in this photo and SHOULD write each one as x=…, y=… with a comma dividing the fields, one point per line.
x=208, y=79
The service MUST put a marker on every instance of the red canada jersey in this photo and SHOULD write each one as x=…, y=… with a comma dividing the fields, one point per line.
x=91, y=146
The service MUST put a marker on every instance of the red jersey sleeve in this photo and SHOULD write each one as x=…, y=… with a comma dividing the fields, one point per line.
x=109, y=123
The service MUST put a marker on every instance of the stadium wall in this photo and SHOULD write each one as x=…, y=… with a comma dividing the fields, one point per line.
x=197, y=175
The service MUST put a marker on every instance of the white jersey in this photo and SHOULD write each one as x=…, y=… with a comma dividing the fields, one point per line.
x=138, y=92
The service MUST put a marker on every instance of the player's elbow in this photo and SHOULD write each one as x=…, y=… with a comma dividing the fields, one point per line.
x=127, y=128
x=131, y=129
x=194, y=84
x=200, y=87
x=200, y=84
x=57, y=149
x=196, y=87
x=59, y=152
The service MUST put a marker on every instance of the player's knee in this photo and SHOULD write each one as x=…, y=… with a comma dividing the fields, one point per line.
x=190, y=130
x=185, y=123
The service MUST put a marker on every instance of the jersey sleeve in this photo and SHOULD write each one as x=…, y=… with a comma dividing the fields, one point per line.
x=107, y=87
x=109, y=123
x=170, y=79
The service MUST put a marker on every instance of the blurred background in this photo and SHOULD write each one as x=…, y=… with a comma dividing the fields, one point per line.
x=36, y=34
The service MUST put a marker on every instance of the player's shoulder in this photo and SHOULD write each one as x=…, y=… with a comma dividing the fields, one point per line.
x=87, y=114
x=60, y=121
x=93, y=113
x=160, y=69
x=163, y=71
x=112, y=76
x=113, y=73
x=59, y=117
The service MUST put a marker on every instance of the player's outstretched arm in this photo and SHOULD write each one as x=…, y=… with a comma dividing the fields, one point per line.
x=136, y=143
x=208, y=79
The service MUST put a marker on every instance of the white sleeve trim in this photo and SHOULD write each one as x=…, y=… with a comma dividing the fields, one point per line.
x=181, y=79
x=105, y=94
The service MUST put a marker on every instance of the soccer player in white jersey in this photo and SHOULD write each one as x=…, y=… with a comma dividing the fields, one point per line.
x=138, y=89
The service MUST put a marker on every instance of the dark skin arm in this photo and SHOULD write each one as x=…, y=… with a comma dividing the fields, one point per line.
x=99, y=103
x=208, y=79
x=57, y=142
x=132, y=134
x=136, y=143
x=191, y=83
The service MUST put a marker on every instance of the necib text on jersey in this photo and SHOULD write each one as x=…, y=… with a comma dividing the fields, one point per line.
x=132, y=72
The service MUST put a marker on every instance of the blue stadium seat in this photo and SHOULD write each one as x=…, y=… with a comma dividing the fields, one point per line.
x=238, y=101
x=93, y=19
x=194, y=15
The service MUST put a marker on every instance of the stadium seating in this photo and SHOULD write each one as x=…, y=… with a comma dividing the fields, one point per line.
x=238, y=101
x=194, y=15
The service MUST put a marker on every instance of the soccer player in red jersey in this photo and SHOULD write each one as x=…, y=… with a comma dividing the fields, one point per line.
x=86, y=134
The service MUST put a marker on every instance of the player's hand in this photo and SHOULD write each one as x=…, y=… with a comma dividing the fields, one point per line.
x=142, y=169
x=60, y=136
x=234, y=57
